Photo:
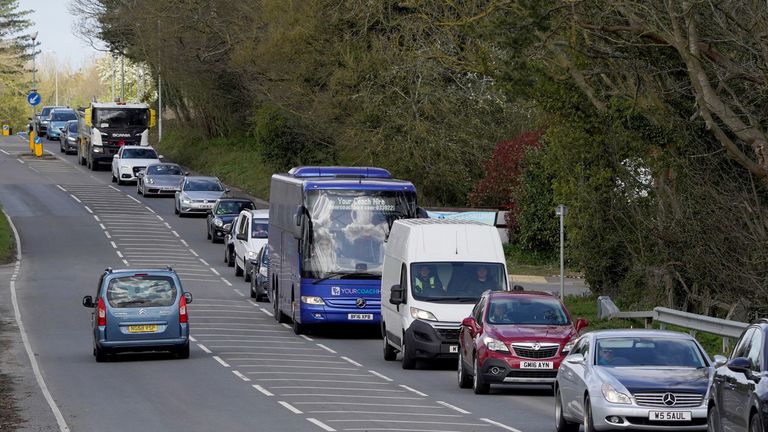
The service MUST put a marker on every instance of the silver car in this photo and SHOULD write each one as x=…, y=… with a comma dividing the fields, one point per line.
x=198, y=195
x=159, y=179
x=633, y=380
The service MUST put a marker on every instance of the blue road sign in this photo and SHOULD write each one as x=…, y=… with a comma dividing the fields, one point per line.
x=38, y=140
x=33, y=98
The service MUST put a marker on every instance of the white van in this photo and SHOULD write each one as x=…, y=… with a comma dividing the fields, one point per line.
x=251, y=234
x=434, y=273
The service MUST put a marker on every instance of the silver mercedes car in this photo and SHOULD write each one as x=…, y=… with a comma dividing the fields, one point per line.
x=159, y=179
x=633, y=380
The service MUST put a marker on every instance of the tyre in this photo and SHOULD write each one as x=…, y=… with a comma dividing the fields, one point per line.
x=279, y=315
x=479, y=385
x=561, y=424
x=93, y=165
x=231, y=261
x=465, y=380
x=409, y=360
x=390, y=353
x=589, y=422
x=297, y=327
x=183, y=352
x=175, y=208
x=101, y=354
x=756, y=423
x=238, y=270
x=713, y=420
x=208, y=233
x=253, y=290
x=247, y=274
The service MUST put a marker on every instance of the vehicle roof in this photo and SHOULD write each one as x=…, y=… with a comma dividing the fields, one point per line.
x=426, y=240
x=235, y=199
x=62, y=109
x=604, y=334
x=258, y=213
x=153, y=271
x=138, y=147
x=159, y=163
x=203, y=178
x=115, y=105
x=362, y=183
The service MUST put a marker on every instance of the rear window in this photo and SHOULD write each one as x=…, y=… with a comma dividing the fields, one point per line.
x=63, y=116
x=141, y=291
x=259, y=228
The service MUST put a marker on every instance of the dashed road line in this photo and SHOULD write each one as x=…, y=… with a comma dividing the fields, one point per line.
x=89, y=210
x=239, y=293
x=184, y=243
x=204, y=262
x=106, y=233
x=320, y=424
x=453, y=407
x=176, y=234
x=226, y=281
x=267, y=312
x=241, y=376
x=414, y=390
x=148, y=208
x=75, y=198
x=214, y=271
x=125, y=262
x=326, y=348
x=351, y=361
x=119, y=254
x=501, y=425
x=286, y=326
x=4, y=152
x=193, y=253
x=204, y=348
x=307, y=338
x=20, y=161
x=133, y=198
x=290, y=407
x=113, y=244
x=221, y=362
x=385, y=378
x=263, y=390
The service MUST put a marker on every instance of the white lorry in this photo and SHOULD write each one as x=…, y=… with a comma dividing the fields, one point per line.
x=434, y=273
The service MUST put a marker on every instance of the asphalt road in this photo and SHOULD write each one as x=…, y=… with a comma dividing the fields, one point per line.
x=246, y=372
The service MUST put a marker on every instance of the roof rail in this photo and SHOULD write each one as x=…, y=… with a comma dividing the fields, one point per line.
x=169, y=268
x=108, y=270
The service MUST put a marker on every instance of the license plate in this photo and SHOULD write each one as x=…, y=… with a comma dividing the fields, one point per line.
x=669, y=416
x=453, y=349
x=147, y=328
x=537, y=365
x=360, y=317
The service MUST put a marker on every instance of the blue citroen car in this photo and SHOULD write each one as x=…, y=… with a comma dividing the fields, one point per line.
x=139, y=310
x=58, y=121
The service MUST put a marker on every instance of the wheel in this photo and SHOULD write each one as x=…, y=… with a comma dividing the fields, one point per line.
x=138, y=189
x=756, y=423
x=279, y=315
x=183, y=352
x=479, y=385
x=253, y=290
x=238, y=270
x=101, y=354
x=409, y=361
x=231, y=261
x=390, y=353
x=247, y=274
x=561, y=424
x=465, y=381
x=713, y=420
x=297, y=327
x=175, y=208
x=119, y=182
x=93, y=165
x=589, y=423
x=208, y=233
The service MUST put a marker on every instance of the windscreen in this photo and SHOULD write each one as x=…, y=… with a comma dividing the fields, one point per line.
x=164, y=170
x=233, y=207
x=259, y=228
x=203, y=185
x=141, y=291
x=347, y=228
x=526, y=311
x=648, y=351
x=455, y=281
x=120, y=117
x=139, y=153
x=59, y=116
x=73, y=127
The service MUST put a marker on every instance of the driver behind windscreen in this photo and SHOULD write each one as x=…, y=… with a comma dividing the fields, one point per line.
x=481, y=280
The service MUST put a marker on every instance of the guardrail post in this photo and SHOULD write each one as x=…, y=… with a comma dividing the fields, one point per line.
x=726, y=343
x=662, y=326
x=648, y=322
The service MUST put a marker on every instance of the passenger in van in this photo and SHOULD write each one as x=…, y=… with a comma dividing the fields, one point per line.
x=481, y=281
x=426, y=282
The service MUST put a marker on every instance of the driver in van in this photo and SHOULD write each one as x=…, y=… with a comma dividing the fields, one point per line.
x=426, y=281
x=482, y=281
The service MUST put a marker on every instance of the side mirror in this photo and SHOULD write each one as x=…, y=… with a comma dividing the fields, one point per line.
x=209, y=212
x=740, y=364
x=186, y=173
x=470, y=323
x=580, y=324
x=140, y=174
x=396, y=295
x=241, y=237
x=188, y=297
x=88, y=301
x=161, y=157
x=720, y=360
x=227, y=190
x=577, y=358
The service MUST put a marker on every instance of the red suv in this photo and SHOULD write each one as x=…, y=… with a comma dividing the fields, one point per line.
x=514, y=337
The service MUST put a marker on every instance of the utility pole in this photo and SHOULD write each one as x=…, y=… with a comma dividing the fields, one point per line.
x=159, y=107
x=561, y=210
x=113, y=76
x=122, y=76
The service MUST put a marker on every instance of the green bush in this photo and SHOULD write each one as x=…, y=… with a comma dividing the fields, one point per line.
x=7, y=243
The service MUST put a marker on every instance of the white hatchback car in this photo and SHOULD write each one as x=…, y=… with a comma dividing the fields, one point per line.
x=129, y=160
x=251, y=234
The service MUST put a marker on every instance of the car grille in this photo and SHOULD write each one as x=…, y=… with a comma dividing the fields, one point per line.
x=351, y=303
x=529, y=350
x=448, y=334
x=519, y=373
x=136, y=169
x=673, y=400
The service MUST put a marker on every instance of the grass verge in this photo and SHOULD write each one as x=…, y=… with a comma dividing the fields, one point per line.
x=524, y=262
x=7, y=243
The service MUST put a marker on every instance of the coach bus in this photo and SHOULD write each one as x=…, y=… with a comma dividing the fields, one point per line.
x=327, y=228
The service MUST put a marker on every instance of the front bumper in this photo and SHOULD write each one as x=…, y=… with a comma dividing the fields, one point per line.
x=159, y=190
x=324, y=314
x=505, y=368
x=433, y=340
x=633, y=417
x=53, y=133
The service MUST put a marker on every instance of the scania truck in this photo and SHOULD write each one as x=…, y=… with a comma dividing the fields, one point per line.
x=107, y=126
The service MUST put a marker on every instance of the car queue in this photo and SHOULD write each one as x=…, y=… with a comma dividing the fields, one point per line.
x=452, y=300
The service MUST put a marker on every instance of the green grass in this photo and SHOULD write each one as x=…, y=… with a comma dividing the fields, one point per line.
x=586, y=307
x=229, y=158
x=7, y=243
x=524, y=262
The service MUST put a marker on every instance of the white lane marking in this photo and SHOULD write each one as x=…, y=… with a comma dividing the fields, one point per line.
x=338, y=388
x=204, y=263
x=25, y=339
x=161, y=218
x=307, y=338
x=133, y=198
x=286, y=326
x=76, y=198
x=106, y=233
x=320, y=424
x=239, y=293
x=125, y=262
x=102, y=226
x=20, y=161
x=146, y=207
x=119, y=254
x=226, y=281
x=97, y=218
x=241, y=376
x=167, y=225
x=113, y=244
x=453, y=407
x=503, y=426
x=385, y=378
x=290, y=407
x=204, y=348
x=351, y=361
x=326, y=348
x=192, y=339
x=328, y=381
x=184, y=243
x=263, y=390
x=413, y=390
x=387, y=413
x=215, y=272
x=356, y=396
x=89, y=210
x=267, y=312
x=5, y=152
x=408, y=421
x=194, y=253
x=114, y=188
x=221, y=362
x=175, y=233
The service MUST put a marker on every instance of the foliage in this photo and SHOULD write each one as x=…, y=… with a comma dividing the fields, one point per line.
x=536, y=226
x=7, y=242
x=15, y=49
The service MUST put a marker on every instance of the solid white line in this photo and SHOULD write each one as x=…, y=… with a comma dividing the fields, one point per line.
x=352, y=361
x=241, y=376
x=322, y=425
x=25, y=339
x=203, y=347
x=215, y=272
x=192, y=339
x=89, y=210
x=263, y=390
x=290, y=407
x=326, y=348
x=385, y=378
x=503, y=426
x=133, y=198
x=267, y=312
x=222, y=362
x=453, y=407
x=76, y=198
x=413, y=390
x=194, y=253
x=204, y=263
x=238, y=291
x=307, y=338
x=226, y=282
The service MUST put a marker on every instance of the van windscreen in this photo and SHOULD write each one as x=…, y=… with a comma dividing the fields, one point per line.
x=455, y=281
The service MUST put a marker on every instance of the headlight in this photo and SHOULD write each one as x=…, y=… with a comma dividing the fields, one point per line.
x=186, y=201
x=312, y=300
x=263, y=271
x=495, y=345
x=71, y=139
x=97, y=149
x=568, y=347
x=218, y=222
x=613, y=396
x=417, y=313
x=149, y=180
x=252, y=254
x=45, y=122
x=227, y=227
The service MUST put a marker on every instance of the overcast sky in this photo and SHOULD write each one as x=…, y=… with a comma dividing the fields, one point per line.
x=54, y=22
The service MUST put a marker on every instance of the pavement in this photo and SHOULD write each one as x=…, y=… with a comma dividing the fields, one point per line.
x=246, y=372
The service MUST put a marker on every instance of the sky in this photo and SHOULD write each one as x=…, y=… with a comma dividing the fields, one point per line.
x=54, y=23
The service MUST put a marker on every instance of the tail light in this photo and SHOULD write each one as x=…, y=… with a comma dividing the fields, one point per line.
x=183, y=310
x=101, y=310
